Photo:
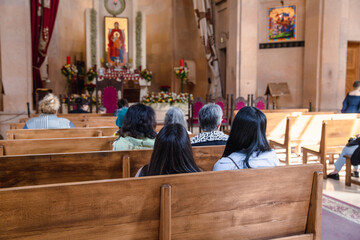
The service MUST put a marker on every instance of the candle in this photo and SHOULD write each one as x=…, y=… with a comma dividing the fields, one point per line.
x=68, y=59
x=181, y=62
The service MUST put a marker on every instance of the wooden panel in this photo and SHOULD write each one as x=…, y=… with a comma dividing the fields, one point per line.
x=339, y=131
x=60, y=133
x=71, y=167
x=306, y=129
x=211, y=205
x=56, y=145
x=352, y=65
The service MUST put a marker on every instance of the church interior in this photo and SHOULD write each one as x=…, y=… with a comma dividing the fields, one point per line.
x=294, y=60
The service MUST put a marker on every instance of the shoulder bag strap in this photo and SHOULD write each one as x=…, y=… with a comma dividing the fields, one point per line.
x=234, y=162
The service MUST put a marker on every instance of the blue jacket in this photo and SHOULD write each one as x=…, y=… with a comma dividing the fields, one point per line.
x=46, y=121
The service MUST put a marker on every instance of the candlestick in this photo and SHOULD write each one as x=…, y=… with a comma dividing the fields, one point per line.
x=68, y=59
x=181, y=62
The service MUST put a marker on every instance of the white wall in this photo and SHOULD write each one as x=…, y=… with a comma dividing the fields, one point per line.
x=15, y=59
x=281, y=64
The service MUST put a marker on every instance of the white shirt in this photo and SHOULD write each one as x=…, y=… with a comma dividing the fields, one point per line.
x=265, y=159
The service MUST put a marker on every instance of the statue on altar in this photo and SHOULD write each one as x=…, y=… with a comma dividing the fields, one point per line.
x=116, y=50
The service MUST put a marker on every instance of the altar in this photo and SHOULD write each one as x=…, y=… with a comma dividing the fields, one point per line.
x=113, y=84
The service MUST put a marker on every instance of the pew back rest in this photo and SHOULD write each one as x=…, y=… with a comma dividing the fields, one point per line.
x=307, y=128
x=16, y=134
x=337, y=132
x=72, y=167
x=55, y=145
x=209, y=205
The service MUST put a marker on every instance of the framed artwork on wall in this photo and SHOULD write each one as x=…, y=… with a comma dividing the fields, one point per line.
x=117, y=40
x=282, y=23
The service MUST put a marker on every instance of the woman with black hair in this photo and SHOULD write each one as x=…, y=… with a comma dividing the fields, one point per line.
x=247, y=146
x=138, y=129
x=82, y=106
x=172, y=153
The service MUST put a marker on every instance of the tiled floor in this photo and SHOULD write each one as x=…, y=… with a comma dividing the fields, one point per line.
x=337, y=189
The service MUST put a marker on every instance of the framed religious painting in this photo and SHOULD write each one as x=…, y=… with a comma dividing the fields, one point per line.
x=117, y=40
x=282, y=23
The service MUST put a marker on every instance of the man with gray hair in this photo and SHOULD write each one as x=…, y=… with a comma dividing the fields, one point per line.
x=210, y=117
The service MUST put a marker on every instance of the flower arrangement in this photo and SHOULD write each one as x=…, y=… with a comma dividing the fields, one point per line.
x=91, y=74
x=146, y=74
x=69, y=70
x=183, y=73
x=166, y=97
x=74, y=96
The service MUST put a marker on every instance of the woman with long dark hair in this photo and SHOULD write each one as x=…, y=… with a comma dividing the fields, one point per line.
x=138, y=129
x=247, y=146
x=172, y=153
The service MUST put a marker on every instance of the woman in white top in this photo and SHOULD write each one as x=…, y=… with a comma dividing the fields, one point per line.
x=247, y=146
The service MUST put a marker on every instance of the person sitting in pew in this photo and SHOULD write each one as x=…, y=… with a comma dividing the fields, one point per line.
x=48, y=106
x=172, y=153
x=138, y=129
x=210, y=117
x=349, y=149
x=82, y=106
x=175, y=115
x=247, y=146
x=122, y=103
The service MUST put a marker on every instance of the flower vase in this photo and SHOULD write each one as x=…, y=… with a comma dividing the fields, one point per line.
x=181, y=85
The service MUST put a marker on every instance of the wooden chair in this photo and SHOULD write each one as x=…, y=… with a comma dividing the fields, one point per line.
x=108, y=90
x=334, y=136
x=348, y=178
x=53, y=168
x=224, y=105
x=206, y=205
x=236, y=104
x=196, y=105
x=260, y=103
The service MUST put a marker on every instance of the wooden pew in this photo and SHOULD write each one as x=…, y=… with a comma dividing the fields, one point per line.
x=285, y=204
x=348, y=178
x=304, y=130
x=77, y=124
x=27, y=170
x=334, y=136
x=55, y=145
x=15, y=134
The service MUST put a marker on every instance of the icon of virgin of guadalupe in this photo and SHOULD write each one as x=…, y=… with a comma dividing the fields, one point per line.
x=116, y=46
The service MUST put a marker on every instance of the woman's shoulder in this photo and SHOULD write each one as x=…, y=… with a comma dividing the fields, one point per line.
x=354, y=94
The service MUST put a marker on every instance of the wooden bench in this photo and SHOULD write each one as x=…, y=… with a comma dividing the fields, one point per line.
x=27, y=170
x=276, y=123
x=77, y=124
x=334, y=136
x=348, y=178
x=15, y=134
x=285, y=204
x=304, y=130
x=55, y=145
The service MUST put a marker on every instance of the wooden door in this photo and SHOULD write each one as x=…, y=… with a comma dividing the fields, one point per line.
x=352, y=65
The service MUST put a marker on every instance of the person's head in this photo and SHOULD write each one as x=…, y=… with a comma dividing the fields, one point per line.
x=116, y=25
x=102, y=109
x=248, y=134
x=139, y=122
x=122, y=103
x=49, y=104
x=210, y=116
x=175, y=115
x=82, y=103
x=356, y=85
x=172, y=153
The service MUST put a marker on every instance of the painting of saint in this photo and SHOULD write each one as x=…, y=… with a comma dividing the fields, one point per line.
x=116, y=32
x=282, y=23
